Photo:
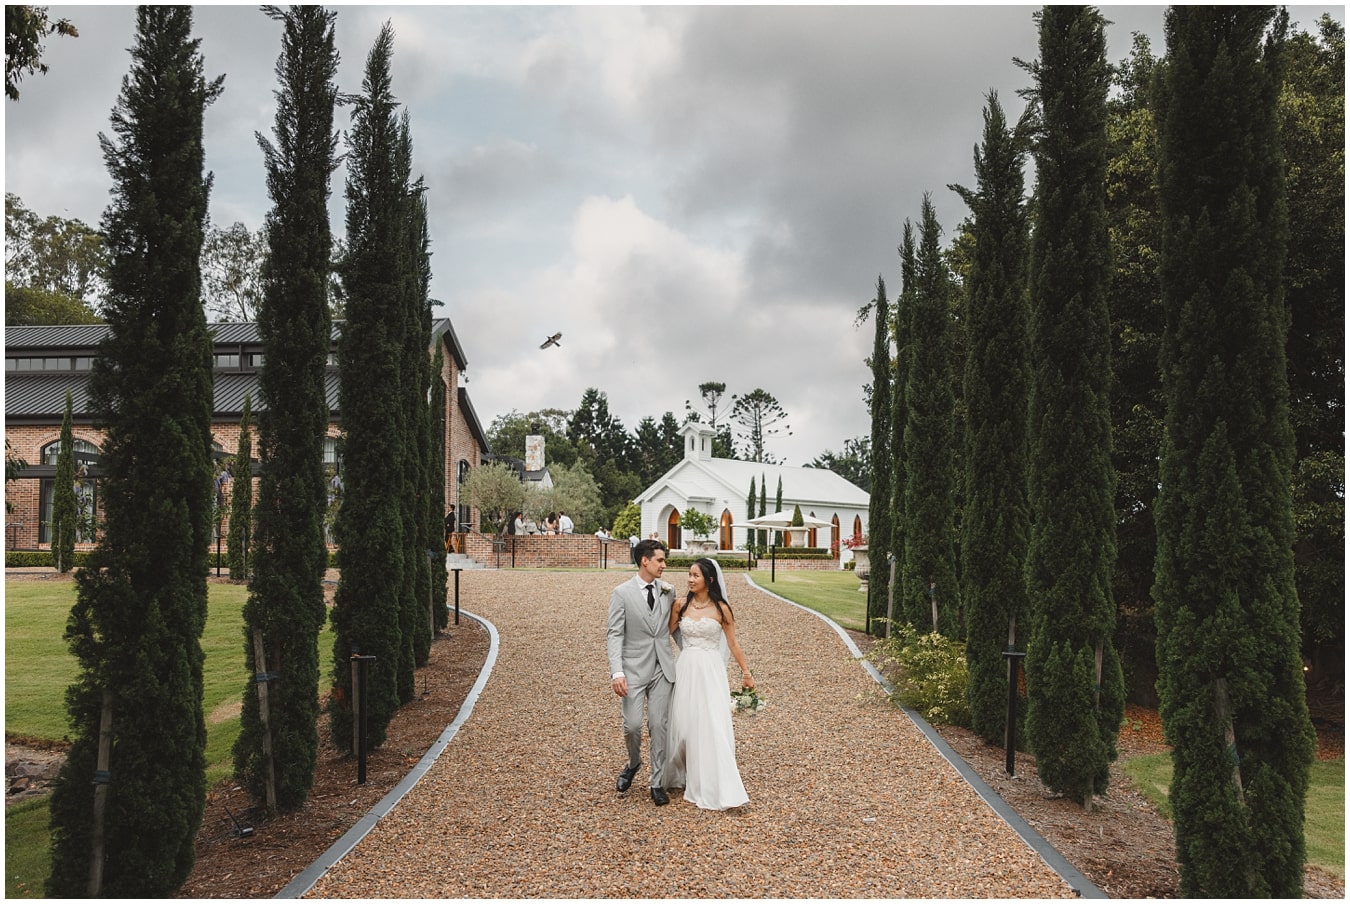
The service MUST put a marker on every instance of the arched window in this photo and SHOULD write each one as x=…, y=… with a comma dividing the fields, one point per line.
x=86, y=501
x=724, y=540
x=332, y=458
x=811, y=535
x=857, y=527
x=673, y=539
x=834, y=535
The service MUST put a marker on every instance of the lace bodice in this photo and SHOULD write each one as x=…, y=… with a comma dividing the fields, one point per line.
x=701, y=633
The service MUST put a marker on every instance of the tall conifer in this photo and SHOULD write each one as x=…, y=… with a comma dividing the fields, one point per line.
x=930, y=550
x=879, y=505
x=136, y=626
x=995, y=523
x=286, y=601
x=65, y=507
x=1231, y=683
x=372, y=546
x=435, y=468
x=1074, y=683
x=241, y=497
x=900, y=326
x=417, y=365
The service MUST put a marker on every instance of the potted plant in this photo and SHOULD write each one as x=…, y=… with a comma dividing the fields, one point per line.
x=858, y=545
x=700, y=525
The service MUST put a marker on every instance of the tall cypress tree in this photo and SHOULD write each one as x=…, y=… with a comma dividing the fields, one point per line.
x=930, y=550
x=1232, y=689
x=241, y=497
x=763, y=510
x=417, y=363
x=285, y=599
x=435, y=470
x=136, y=626
x=879, y=500
x=899, y=412
x=65, y=508
x=369, y=528
x=778, y=507
x=995, y=523
x=1074, y=683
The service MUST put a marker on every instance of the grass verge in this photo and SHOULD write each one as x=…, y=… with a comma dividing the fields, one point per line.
x=39, y=667
x=1324, y=807
x=831, y=593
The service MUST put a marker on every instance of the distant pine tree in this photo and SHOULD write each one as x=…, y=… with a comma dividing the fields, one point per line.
x=1076, y=693
x=1231, y=681
x=996, y=520
x=124, y=818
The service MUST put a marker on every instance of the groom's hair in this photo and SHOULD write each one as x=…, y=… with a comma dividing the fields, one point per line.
x=646, y=549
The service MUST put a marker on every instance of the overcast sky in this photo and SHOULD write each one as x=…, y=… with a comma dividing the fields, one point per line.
x=686, y=193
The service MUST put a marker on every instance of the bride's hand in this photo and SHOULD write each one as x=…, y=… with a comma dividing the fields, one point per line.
x=747, y=680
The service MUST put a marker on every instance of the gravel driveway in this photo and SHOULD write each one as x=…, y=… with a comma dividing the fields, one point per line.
x=847, y=798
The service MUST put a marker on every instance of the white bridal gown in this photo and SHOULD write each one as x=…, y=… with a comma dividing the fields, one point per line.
x=701, y=741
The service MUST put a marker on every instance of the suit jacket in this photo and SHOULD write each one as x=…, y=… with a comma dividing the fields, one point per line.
x=638, y=639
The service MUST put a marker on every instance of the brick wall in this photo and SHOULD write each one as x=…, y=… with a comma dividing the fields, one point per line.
x=559, y=551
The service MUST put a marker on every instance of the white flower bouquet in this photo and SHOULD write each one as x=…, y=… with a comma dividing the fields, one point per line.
x=747, y=700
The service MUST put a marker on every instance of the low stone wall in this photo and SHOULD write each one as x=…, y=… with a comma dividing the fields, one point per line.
x=589, y=551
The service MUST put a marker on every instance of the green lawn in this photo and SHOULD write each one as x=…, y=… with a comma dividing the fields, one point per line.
x=1324, y=809
x=831, y=593
x=39, y=667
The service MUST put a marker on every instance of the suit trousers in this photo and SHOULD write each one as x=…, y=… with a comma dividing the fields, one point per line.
x=655, y=696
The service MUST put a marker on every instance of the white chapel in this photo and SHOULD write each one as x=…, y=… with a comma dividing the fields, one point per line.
x=720, y=487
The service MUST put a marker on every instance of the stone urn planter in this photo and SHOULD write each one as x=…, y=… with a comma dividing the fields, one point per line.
x=861, y=566
x=701, y=546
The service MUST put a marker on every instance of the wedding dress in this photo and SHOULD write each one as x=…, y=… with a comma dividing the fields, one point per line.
x=701, y=741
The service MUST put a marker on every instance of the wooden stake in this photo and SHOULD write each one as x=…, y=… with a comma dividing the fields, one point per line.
x=264, y=716
x=101, y=781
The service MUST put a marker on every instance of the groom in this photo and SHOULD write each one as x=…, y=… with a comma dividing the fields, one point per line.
x=642, y=669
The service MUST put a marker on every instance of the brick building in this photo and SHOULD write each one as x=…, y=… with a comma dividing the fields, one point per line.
x=43, y=363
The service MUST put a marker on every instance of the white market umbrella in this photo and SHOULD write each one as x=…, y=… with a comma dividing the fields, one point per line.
x=781, y=521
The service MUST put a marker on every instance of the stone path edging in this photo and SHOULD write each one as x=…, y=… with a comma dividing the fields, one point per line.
x=1083, y=886
x=306, y=880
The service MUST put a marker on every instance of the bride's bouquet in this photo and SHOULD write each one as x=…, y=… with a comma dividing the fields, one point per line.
x=747, y=700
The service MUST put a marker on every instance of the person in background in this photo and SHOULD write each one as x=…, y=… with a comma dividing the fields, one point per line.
x=551, y=523
x=565, y=524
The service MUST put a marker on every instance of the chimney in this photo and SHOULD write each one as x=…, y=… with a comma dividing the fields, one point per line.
x=534, y=453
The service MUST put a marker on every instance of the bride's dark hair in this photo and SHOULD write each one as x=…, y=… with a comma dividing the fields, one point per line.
x=709, y=572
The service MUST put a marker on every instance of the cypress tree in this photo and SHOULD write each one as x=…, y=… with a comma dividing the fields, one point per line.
x=763, y=510
x=930, y=550
x=65, y=508
x=435, y=470
x=995, y=523
x=879, y=500
x=241, y=497
x=286, y=601
x=899, y=414
x=778, y=507
x=417, y=364
x=136, y=626
x=1232, y=689
x=1074, y=683
x=368, y=603
x=750, y=513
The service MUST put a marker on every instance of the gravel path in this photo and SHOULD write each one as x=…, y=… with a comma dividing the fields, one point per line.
x=847, y=799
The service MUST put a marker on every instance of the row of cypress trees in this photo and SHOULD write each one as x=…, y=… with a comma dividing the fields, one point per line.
x=136, y=707
x=1037, y=525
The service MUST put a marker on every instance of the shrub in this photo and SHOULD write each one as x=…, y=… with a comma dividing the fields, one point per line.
x=928, y=672
x=629, y=522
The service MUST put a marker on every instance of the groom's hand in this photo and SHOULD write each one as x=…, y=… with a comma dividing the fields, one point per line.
x=620, y=685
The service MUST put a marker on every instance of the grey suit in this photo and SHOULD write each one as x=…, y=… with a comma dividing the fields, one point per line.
x=638, y=642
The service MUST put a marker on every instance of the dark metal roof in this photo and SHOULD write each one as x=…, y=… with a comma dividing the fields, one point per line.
x=30, y=338
x=443, y=328
x=43, y=396
x=471, y=417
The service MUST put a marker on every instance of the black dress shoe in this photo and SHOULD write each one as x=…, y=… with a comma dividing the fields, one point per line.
x=659, y=797
x=626, y=777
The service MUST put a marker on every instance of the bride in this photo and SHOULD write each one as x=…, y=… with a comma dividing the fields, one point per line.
x=701, y=742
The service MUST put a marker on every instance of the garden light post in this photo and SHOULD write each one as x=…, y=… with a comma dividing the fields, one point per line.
x=360, y=673
x=1010, y=729
x=457, y=569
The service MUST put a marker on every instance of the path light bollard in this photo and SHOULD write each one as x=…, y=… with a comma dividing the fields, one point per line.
x=360, y=674
x=456, y=569
x=1010, y=729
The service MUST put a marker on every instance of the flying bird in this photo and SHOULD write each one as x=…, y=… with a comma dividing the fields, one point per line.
x=552, y=340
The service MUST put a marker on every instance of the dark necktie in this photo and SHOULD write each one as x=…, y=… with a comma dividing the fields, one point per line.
x=651, y=600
